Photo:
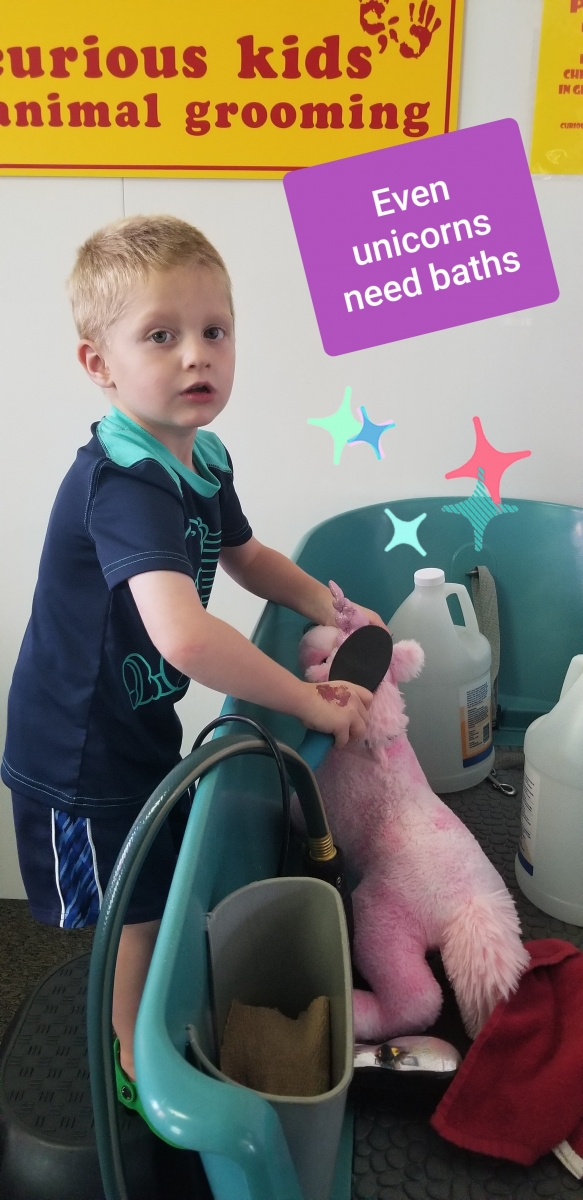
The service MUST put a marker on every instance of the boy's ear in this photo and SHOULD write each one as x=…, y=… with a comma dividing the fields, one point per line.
x=91, y=358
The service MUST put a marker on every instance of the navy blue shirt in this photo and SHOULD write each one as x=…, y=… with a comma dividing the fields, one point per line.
x=91, y=718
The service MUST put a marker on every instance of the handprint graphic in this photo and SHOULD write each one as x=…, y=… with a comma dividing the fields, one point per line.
x=421, y=31
x=377, y=8
x=372, y=6
x=373, y=12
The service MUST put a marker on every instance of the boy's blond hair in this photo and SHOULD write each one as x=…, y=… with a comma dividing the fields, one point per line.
x=124, y=252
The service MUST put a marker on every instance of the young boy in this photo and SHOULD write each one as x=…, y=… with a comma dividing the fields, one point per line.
x=119, y=623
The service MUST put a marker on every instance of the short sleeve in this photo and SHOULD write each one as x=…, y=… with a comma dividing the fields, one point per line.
x=136, y=520
x=236, y=529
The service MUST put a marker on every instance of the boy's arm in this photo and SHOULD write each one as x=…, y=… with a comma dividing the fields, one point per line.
x=212, y=652
x=269, y=574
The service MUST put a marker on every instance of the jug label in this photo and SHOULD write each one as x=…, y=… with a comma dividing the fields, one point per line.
x=476, y=720
x=528, y=817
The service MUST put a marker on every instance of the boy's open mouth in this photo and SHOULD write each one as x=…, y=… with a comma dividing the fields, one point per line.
x=199, y=389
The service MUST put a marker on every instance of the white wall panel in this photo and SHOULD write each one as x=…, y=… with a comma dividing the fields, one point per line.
x=47, y=403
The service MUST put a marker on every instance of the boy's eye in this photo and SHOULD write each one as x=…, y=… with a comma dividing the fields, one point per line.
x=214, y=333
x=160, y=337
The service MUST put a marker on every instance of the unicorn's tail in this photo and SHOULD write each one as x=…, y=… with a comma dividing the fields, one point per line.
x=483, y=955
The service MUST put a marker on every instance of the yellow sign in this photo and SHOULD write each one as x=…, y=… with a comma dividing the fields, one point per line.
x=241, y=88
x=557, y=143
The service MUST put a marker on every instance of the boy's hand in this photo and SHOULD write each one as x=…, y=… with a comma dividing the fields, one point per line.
x=329, y=612
x=372, y=617
x=207, y=649
x=338, y=708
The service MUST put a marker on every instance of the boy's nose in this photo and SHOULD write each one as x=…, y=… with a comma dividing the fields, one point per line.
x=196, y=353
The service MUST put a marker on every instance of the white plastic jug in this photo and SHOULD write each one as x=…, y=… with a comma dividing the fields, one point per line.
x=450, y=705
x=549, y=863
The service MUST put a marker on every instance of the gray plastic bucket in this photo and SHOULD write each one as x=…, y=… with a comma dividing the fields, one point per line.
x=280, y=943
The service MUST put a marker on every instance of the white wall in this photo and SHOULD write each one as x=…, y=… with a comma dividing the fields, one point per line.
x=520, y=373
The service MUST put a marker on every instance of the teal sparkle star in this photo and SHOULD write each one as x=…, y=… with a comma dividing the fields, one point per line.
x=479, y=509
x=371, y=433
x=405, y=532
x=341, y=425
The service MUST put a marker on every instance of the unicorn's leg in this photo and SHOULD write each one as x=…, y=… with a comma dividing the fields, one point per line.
x=389, y=951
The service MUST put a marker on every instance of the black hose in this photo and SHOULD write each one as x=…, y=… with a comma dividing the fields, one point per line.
x=283, y=779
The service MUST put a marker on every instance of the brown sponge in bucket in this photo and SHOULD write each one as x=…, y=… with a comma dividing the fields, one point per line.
x=264, y=1050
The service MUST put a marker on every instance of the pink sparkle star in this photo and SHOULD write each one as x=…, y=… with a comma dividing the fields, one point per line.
x=493, y=462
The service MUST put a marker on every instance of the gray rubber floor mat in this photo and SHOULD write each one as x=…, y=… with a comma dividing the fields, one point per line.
x=397, y=1155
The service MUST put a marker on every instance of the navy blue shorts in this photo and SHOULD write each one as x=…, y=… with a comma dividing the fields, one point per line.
x=66, y=861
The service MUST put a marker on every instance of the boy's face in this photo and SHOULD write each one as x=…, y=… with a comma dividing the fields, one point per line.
x=170, y=356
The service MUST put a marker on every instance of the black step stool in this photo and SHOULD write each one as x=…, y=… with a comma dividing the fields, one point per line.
x=47, y=1139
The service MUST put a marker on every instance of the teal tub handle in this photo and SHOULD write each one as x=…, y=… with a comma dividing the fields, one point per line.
x=314, y=748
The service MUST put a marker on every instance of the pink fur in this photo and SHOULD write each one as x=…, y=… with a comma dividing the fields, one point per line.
x=424, y=883
x=315, y=648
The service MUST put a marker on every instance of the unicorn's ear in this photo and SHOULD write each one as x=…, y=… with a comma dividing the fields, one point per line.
x=407, y=661
x=317, y=645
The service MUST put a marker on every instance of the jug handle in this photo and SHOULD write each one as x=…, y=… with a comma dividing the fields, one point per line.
x=458, y=589
x=574, y=670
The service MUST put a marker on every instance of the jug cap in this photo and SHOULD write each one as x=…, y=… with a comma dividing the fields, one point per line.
x=429, y=577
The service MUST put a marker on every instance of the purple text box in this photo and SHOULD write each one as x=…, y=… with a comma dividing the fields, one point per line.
x=421, y=237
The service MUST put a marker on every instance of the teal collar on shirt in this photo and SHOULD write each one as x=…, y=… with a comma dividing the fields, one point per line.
x=126, y=444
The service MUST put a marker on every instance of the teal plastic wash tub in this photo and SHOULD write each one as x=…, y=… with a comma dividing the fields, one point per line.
x=536, y=557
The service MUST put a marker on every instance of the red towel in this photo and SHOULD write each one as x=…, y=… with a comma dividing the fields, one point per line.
x=519, y=1091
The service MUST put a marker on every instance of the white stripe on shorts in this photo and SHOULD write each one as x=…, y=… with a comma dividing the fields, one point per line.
x=95, y=871
x=62, y=921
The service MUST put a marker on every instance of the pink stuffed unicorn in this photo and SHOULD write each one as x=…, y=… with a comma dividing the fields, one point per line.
x=424, y=881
